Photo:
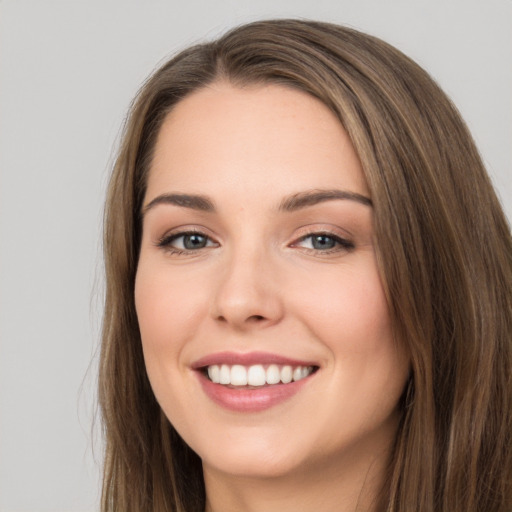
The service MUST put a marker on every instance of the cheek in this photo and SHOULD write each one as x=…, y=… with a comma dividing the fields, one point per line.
x=168, y=308
x=164, y=303
x=348, y=314
x=347, y=309
x=368, y=368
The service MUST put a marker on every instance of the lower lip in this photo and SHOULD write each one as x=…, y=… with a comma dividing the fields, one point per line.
x=250, y=399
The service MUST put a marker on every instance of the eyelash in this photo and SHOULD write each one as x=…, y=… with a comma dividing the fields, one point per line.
x=166, y=242
x=341, y=244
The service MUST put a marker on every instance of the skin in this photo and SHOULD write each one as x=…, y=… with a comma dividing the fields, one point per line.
x=260, y=284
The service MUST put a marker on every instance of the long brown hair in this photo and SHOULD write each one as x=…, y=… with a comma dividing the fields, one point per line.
x=444, y=252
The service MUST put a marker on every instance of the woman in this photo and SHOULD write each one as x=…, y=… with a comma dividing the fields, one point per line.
x=308, y=287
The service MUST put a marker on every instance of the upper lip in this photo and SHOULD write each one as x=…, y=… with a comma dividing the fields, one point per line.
x=248, y=359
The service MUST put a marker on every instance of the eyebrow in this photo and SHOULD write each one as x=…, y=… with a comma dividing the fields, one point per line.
x=192, y=201
x=289, y=204
x=312, y=197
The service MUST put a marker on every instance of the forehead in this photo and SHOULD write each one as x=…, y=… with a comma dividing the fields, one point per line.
x=244, y=139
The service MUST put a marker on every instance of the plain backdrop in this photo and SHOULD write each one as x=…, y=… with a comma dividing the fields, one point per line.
x=68, y=70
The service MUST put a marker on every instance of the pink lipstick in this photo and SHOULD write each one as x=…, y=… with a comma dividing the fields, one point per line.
x=252, y=382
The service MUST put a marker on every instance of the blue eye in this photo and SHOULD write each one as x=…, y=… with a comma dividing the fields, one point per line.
x=186, y=242
x=193, y=241
x=324, y=242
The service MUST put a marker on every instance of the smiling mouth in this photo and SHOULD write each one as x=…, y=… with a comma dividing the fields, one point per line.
x=257, y=375
x=252, y=382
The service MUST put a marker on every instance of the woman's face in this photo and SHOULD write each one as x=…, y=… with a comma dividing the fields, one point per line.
x=258, y=266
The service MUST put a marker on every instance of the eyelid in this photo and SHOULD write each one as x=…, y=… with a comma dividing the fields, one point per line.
x=164, y=242
x=322, y=228
x=344, y=241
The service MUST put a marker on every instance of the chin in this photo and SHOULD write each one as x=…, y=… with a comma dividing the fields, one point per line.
x=247, y=464
x=259, y=456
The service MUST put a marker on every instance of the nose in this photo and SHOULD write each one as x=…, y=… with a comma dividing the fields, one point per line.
x=248, y=294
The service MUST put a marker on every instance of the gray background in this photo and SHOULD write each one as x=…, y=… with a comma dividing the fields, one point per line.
x=68, y=70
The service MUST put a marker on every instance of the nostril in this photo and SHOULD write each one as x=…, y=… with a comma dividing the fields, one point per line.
x=252, y=319
x=256, y=318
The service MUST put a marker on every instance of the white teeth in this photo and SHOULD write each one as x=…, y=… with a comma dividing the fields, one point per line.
x=273, y=374
x=286, y=374
x=238, y=375
x=225, y=374
x=214, y=373
x=256, y=375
